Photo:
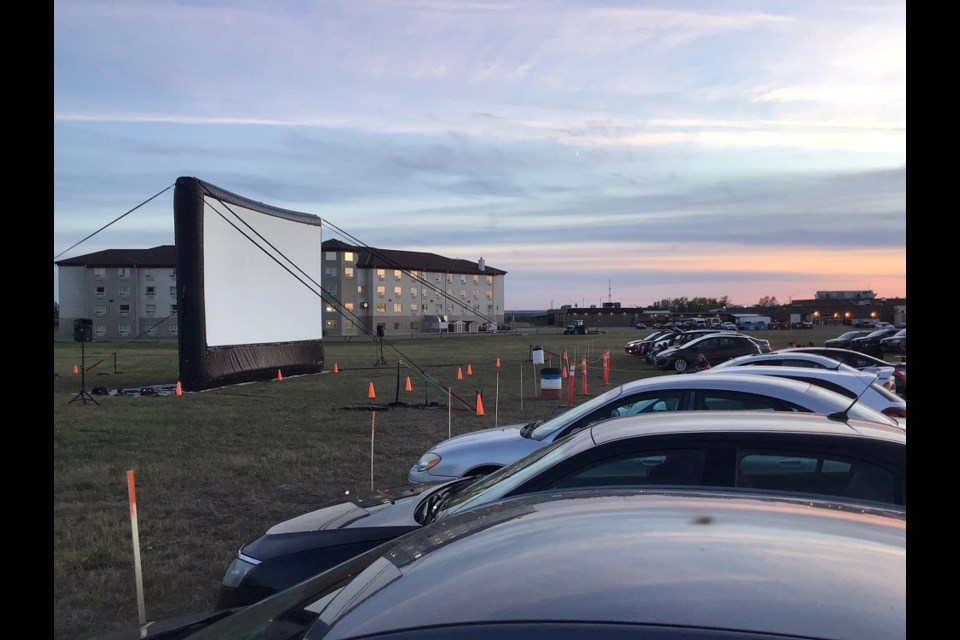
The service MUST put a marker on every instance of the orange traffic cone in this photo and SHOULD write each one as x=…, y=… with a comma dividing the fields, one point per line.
x=479, y=404
x=498, y=363
x=279, y=375
x=563, y=372
x=179, y=389
x=459, y=373
x=409, y=386
x=336, y=369
x=565, y=355
x=370, y=393
x=76, y=369
x=469, y=370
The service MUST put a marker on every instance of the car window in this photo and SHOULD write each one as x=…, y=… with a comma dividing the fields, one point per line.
x=713, y=400
x=658, y=466
x=774, y=470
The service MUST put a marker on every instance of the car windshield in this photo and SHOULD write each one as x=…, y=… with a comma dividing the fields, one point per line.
x=554, y=424
x=506, y=479
x=858, y=411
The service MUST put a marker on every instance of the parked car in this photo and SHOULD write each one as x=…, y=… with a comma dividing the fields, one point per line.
x=642, y=346
x=481, y=452
x=870, y=343
x=765, y=345
x=856, y=385
x=715, y=348
x=843, y=340
x=729, y=326
x=856, y=359
x=725, y=449
x=603, y=563
x=641, y=325
x=897, y=343
x=801, y=358
x=900, y=376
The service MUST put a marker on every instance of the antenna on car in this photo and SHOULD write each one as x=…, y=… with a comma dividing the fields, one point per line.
x=842, y=416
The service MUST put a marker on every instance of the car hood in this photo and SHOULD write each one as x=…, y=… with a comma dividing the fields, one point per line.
x=493, y=436
x=386, y=508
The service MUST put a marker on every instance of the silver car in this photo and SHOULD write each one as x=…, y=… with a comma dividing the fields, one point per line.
x=793, y=358
x=481, y=452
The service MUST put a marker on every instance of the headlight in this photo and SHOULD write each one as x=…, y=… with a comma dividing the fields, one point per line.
x=238, y=570
x=428, y=461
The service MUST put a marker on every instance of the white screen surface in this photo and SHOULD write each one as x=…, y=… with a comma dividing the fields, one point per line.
x=248, y=297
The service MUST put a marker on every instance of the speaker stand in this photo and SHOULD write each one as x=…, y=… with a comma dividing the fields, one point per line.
x=381, y=360
x=83, y=396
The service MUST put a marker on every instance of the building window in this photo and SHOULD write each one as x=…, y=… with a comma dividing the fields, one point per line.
x=173, y=292
x=463, y=278
x=99, y=309
x=476, y=279
x=397, y=326
x=100, y=329
x=100, y=292
x=414, y=274
x=152, y=331
x=449, y=277
x=330, y=323
x=174, y=329
x=381, y=274
x=348, y=324
x=413, y=292
x=348, y=272
x=463, y=293
x=124, y=309
x=330, y=255
x=436, y=277
x=489, y=279
x=124, y=292
x=348, y=306
x=123, y=272
x=489, y=307
x=330, y=272
x=361, y=290
x=398, y=291
x=348, y=256
x=173, y=274
x=476, y=293
x=332, y=289
x=124, y=329
x=150, y=309
x=489, y=293
x=381, y=291
x=151, y=292
x=330, y=308
x=148, y=274
x=381, y=307
x=397, y=274
x=173, y=308
x=99, y=273
x=415, y=325
x=398, y=307
x=414, y=307
x=439, y=308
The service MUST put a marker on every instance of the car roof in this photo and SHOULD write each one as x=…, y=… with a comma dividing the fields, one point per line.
x=784, y=355
x=836, y=350
x=726, y=334
x=721, y=379
x=849, y=379
x=690, y=559
x=674, y=422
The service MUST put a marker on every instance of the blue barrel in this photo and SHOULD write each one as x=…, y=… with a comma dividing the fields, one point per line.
x=551, y=383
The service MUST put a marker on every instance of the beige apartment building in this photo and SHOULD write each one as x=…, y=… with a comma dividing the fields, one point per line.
x=407, y=292
x=127, y=293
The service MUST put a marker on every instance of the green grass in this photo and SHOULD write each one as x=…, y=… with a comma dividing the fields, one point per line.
x=217, y=468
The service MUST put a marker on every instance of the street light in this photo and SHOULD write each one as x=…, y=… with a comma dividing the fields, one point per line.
x=816, y=317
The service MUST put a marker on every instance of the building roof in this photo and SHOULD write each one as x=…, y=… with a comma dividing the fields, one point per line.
x=373, y=258
x=162, y=256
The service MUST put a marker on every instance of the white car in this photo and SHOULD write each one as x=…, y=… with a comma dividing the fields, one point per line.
x=481, y=452
x=859, y=386
x=791, y=358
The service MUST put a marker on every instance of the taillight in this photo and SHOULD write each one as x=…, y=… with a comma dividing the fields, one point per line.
x=900, y=374
x=896, y=412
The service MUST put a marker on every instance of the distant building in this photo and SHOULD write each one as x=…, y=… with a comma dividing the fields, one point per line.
x=128, y=293
x=131, y=293
x=845, y=295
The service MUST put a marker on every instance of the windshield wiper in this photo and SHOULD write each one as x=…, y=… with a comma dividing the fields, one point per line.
x=528, y=428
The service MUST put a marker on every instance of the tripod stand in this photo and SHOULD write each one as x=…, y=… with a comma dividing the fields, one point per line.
x=381, y=360
x=83, y=396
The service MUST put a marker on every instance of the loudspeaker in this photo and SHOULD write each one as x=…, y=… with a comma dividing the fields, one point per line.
x=380, y=330
x=82, y=330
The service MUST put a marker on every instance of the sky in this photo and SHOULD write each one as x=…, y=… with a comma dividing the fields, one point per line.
x=597, y=151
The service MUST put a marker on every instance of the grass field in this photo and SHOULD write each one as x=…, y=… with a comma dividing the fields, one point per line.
x=217, y=468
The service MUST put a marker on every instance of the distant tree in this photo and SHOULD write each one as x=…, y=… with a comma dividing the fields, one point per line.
x=768, y=301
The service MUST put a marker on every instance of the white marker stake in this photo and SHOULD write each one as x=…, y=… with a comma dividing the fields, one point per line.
x=521, y=387
x=449, y=414
x=135, y=532
x=373, y=431
x=496, y=403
